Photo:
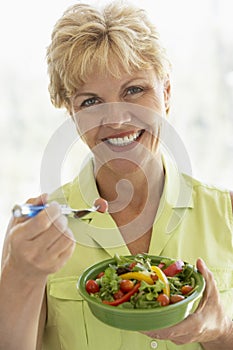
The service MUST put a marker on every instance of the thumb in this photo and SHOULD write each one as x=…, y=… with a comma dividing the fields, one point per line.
x=42, y=199
x=202, y=268
x=211, y=286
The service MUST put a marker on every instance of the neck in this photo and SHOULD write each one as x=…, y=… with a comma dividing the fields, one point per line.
x=136, y=189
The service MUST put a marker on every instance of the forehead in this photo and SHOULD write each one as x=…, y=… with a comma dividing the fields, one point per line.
x=96, y=79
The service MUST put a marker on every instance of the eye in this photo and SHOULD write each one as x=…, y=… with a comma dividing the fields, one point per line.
x=89, y=102
x=132, y=90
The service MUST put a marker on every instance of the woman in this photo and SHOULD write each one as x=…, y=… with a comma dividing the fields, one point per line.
x=109, y=70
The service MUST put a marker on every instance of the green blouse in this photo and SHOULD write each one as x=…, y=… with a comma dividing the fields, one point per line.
x=193, y=220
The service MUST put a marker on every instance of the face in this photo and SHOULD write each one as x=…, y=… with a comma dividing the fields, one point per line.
x=117, y=117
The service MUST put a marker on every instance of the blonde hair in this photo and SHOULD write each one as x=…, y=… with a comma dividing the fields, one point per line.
x=86, y=38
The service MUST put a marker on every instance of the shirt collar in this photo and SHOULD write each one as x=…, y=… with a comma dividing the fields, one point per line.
x=83, y=190
x=176, y=198
x=177, y=192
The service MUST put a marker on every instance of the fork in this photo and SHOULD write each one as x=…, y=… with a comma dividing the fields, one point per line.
x=29, y=210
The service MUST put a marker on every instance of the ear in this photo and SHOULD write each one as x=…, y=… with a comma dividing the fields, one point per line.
x=167, y=93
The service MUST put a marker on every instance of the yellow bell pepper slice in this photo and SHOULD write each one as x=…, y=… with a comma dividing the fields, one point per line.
x=161, y=275
x=139, y=276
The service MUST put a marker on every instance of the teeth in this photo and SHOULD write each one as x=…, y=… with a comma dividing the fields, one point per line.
x=123, y=141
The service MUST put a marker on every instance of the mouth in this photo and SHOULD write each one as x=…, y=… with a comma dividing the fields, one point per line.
x=124, y=139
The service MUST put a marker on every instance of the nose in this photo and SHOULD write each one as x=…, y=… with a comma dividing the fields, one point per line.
x=113, y=114
x=116, y=114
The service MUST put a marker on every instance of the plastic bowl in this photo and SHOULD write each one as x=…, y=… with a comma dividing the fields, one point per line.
x=140, y=319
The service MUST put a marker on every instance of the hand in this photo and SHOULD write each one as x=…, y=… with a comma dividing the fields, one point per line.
x=208, y=324
x=41, y=245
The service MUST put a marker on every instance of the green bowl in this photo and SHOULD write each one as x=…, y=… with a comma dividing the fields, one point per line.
x=140, y=319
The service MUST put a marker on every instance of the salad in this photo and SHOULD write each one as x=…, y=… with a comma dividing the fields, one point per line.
x=138, y=283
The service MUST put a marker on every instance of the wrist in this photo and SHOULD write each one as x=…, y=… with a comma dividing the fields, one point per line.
x=227, y=335
x=224, y=340
x=22, y=278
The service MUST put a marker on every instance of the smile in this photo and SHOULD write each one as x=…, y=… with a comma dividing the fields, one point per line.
x=124, y=141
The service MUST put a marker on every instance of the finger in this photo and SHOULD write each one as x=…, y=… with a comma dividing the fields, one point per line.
x=210, y=296
x=66, y=254
x=40, y=223
x=42, y=199
x=102, y=205
x=69, y=234
x=151, y=334
x=61, y=244
x=211, y=290
x=176, y=332
x=44, y=240
x=201, y=266
x=208, y=276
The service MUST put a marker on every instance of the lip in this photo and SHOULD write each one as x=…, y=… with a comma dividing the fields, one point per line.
x=122, y=134
x=127, y=147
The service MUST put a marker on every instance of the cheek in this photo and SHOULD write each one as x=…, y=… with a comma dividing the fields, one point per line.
x=89, y=138
x=155, y=102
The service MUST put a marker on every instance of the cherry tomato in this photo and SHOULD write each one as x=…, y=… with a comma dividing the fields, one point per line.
x=118, y=295
x=186, y=289
x=176, y=298
x=131, y=266
x=126, y=297
x=92, y=286
x=163, y=299
x=100, y=274
x=154, y=277
x=174, y=268
x=126, y=285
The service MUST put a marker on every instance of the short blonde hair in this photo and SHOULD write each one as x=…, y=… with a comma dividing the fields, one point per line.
x=107, y=39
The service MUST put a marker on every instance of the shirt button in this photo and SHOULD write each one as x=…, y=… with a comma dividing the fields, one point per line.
x=153, y=344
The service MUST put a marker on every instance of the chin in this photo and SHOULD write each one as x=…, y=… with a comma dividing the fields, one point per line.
x=124, y=162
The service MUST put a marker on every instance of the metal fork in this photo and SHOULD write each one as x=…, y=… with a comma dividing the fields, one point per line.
x=29, y=210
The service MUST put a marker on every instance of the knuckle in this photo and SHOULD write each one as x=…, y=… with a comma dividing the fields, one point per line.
x=42, y=222
x=69, y=234
x=61, y=223
x=37, y=200
x=31, y=200
x=68, y=240
x=48, y=216
x=54, y=206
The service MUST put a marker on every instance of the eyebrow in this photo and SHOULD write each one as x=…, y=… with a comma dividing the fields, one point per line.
x=93, y=94
x=132, y=80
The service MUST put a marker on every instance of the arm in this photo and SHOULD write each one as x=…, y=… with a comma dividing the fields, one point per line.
x=42, y=321
x=20, y=305
x=231, y=194
x=217, y=333
x=209, y=325
x=33, y=249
